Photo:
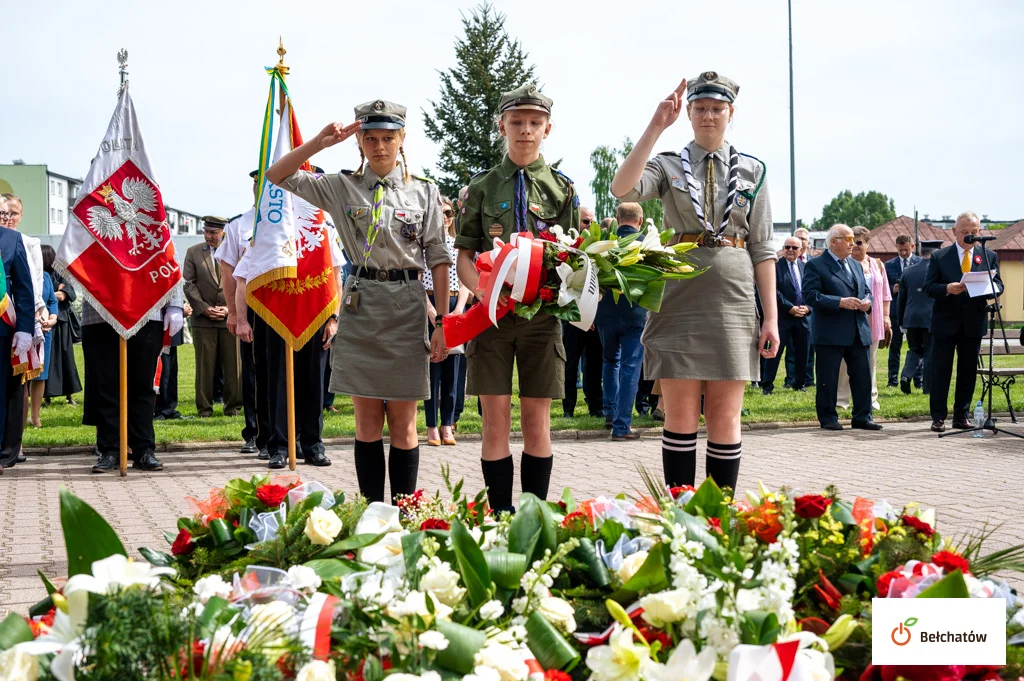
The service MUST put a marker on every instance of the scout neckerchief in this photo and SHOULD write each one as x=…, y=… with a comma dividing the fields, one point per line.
x=521, y=202
x=376, y=218
x=706, y=214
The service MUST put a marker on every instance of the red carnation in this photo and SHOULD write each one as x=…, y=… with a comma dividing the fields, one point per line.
x=545, y=235
x=576, y=520
x=811, y=505
x=434, y=524
x=682, y=489
x=885, y=581
x=556, y=675
x=563, y=256
x=715, y=524
x=412, y=501
x=271, y=495
x=919, y=525
x=182, y=545
x=949, y=561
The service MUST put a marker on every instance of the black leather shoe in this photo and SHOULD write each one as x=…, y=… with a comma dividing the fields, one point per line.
x=318, y=459
x=106, y=464
x=767, y=391
x=249, y=447
x=831, y=426
x=21, y=459
x=264, y=455
x=633, y=435
x=962, y=424
x=890, y=384
x=905, y=386
x=278, y=461
x=607, y=425
x=938, y=426
x=148, y=462
x=865, y=425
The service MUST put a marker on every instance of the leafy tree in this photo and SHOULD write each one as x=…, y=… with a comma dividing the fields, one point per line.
x=606, y=163
x=489, y=62
x=869, y=209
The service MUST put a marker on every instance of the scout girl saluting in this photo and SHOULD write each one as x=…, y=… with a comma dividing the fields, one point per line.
x=522, y=194
x=390, y=223
x=705, y=340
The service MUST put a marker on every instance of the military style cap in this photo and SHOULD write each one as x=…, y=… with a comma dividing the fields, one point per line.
x=213, y=222
x=710, y=85
x=381, y=115
x=525, y=97
x=929, y=245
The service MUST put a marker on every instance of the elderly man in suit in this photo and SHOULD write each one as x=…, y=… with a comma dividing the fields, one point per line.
x=913, y=317
x=840, y=298
x=213, y=339
x=958, y=321
x=794, y=317
x=894, y=269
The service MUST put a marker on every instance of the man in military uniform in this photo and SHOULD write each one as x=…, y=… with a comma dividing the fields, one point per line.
x=521, y=194
x=201, y=273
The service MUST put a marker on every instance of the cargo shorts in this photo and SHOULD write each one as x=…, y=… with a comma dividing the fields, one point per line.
x=534, y=347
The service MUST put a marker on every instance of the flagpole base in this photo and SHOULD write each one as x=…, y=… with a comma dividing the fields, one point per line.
x=123, y=405
x=289, y=372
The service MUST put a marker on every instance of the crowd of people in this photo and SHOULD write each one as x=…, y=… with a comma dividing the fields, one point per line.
x=404, y=258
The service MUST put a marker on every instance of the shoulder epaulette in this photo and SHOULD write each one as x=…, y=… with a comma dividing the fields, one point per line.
x=477, y=174
x=668, y=153
x=420, y=177
x=348, y=172
x=764, y=172
x=567, y=178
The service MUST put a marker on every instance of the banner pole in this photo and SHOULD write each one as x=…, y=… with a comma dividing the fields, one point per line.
x=289, y=373
x=123, y=405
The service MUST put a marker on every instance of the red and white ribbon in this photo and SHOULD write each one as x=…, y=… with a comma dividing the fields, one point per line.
x=315, y=627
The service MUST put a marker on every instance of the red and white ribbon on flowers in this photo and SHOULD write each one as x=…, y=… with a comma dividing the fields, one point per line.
x=596, y=639
x=315, y=627
x=520, y=264
x=536, y=671
x=775, y=662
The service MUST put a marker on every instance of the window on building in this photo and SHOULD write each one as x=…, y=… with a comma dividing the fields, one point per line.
x=60, y=189
x=53, y=215
x=53, y=188
x=60, y=216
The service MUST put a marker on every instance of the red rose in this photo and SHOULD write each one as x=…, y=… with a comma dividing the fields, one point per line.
x=182, y=545
x=556, y=675
x=885, y=581
x=682, y=489
x=949, y=561
x=563, y=256
x=651, y=635
x=919, y=525
x=435, y=524
x=715, y=524
x=545, y=235
x=578, y=242
x=547, y=295
x=811, y=505
x=271, y=495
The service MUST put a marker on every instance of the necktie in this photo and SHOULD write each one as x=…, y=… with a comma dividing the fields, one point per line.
x=796, y=284
x=376, y=219
x=965, y=264
x=216, y=269
x=903, y=264
x=710, y=191
x=846, y=271
x=521, y=207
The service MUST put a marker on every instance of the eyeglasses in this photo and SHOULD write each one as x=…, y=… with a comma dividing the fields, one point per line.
x=4, y=214
x=847, y=239
x=791, y=248
x=585, y=222
x=713, y=111
x=448, y=213
x=860, y=243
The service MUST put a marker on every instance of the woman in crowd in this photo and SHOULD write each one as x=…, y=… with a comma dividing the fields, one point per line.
x=47, y=320
x=63, y=379
x=705, y=340
x=881, y=325
x=390, y=225
x=443, y=375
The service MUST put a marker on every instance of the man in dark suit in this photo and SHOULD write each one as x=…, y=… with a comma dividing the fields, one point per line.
x=19, y=337
x=958, y=321
x=794, y=317
x=894, y=270
x=805, y=256
x=913, y=317
x=840, y=298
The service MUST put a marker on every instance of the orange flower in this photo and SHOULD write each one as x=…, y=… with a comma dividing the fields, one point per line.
x=763, y=522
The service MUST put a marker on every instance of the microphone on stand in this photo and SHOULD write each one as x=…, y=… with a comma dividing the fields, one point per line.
x=977, y=238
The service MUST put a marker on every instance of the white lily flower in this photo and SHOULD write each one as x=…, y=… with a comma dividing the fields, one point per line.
x=564, y=274
x=116, y=572
x=601, y=247
x=685, y=664
x=63, y=640
x=379, y=517
x=620, y=660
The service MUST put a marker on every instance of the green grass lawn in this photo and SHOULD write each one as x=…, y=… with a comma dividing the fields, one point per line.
x=62, y=423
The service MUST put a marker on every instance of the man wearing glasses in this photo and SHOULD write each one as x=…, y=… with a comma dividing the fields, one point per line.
x=835, y=289
x=794, y=317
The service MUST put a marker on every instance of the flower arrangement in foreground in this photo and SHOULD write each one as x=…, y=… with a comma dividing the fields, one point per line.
x=677, y=584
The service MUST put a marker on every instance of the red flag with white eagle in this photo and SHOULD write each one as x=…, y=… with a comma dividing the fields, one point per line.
x=117, y=247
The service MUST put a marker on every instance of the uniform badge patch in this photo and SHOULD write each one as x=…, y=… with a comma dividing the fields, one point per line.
x=742, y=201
x=409, y=231
x=677, y=182
x=977, y=260
x=495, y=230
x=504, y=205
x=535, y=207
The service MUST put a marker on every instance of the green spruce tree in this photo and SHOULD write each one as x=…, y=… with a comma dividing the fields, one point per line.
x=489, y=62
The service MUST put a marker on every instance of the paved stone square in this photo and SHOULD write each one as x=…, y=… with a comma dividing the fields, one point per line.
x=969, y=481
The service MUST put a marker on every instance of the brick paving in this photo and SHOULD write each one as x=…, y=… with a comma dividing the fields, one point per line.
x=969, y=481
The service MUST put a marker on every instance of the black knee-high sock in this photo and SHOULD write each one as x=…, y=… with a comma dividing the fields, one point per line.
x=370, y=469
x=679, y=457
x=498, y=479
x=723, y=463
x=403, y=467
x=536, y=474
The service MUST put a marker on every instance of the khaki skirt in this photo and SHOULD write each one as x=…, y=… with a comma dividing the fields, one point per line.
x=382, y=350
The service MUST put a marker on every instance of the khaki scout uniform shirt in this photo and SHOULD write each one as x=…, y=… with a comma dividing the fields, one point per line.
x=412, y=230
x=489, y=210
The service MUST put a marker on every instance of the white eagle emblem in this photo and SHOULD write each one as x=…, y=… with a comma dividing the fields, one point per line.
x=309, y=227
x=129, y=216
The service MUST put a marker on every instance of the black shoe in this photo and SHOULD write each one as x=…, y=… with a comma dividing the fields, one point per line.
x=891, y=384
x=905, y=386
x=938, y=426
x=106, y=464
x=568, y=415
x=767, y=391
x=148, y=462
x=865, y=425
x=799, y=390
x=607, y=425
x=318, y=459
x=658, y=415
x=264, y=455
x=21, y=459
x=962, y=424
x=249, y=447
x=917, y=384
x=159, y=417
x=788, y=384
x=633, y=435
x=278, y=461
x=831, y=426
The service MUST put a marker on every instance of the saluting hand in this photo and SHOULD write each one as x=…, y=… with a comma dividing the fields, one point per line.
x=669, y=108
x=336, y=132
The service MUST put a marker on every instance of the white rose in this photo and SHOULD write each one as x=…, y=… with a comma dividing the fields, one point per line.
x=17, y=665
x=272, y=616
x=631, y=565
x=443, y=582
x=322, y=527
x=559, y=613
x=667, y=606
x=434, y=640
x=208, y=587
x=415, y=603
x=317, y=670
x=302, y=578
x=482, y=673
x=506, y=661
x=492, y=610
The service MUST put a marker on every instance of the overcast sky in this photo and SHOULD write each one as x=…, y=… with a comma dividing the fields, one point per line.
x=919, y=99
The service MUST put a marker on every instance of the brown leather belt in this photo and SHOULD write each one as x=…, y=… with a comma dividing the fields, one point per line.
x=699, y=239
x=451, y=294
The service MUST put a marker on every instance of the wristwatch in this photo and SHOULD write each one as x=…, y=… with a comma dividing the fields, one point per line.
x=438, y=320
x=334, y=317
